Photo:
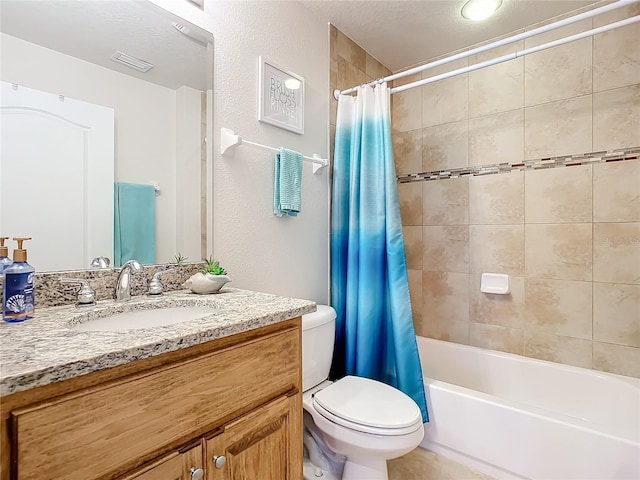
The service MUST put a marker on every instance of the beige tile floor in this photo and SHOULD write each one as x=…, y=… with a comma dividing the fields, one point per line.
x=423, y=464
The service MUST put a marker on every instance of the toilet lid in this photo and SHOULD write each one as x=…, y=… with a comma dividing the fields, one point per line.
x=357, y=402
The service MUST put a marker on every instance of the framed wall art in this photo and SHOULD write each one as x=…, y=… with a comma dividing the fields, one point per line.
x=280, y=97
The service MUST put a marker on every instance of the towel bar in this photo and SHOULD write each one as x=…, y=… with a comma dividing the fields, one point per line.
x=229, y=140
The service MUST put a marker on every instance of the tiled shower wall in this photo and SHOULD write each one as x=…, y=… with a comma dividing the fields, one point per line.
x=350, y=66
x=568, y=237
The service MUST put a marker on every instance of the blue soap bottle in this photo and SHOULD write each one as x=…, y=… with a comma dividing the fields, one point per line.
x=19, y=287
x=5, y=261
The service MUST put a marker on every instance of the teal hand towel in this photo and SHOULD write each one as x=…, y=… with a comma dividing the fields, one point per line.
x=288, y=180
x=134, y=223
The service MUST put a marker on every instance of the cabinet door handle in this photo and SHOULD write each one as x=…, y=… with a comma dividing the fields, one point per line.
x=196, y=473
x=219, y=460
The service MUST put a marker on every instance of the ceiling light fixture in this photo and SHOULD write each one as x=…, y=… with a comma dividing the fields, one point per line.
x=478, y=10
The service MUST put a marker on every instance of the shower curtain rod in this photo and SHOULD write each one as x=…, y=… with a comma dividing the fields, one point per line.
x=521, y=53
x=490, y=46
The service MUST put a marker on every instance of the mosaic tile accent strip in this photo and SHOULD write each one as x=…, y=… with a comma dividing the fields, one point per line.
x=551, y=162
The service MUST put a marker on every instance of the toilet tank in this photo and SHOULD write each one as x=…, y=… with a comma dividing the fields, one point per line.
x=318, y=337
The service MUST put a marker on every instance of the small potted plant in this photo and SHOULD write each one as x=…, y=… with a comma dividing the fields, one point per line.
x=210, y=279
x=179, y=258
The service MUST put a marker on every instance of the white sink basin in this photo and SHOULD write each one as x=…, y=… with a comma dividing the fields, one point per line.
x=158, y=317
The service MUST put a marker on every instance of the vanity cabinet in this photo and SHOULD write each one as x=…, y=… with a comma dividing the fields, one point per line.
x=238, y=397
x=186, y=465
x=252, y=446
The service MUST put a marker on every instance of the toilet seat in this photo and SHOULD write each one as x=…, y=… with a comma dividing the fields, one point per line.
x=368, y=406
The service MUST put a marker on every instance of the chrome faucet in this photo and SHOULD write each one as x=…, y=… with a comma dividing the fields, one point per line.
x=86, y=294
x=100, y=262
x=123, y=285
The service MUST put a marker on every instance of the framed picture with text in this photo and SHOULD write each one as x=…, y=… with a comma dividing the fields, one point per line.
x=280, y=97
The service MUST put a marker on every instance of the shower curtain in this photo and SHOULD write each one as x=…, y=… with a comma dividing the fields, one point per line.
x=375, y=337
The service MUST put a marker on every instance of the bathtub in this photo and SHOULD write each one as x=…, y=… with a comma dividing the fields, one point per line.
x=514, y=417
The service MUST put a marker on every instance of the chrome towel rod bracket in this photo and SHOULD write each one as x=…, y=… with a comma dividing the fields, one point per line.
x=229, y=140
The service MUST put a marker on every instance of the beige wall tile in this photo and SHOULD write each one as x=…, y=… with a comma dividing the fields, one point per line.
x=618, y=359
x=444, y=327
x=616, y=313
x=349, y=75
x=446, y=202
x=559, y=251
x=332, y=147
x=616, y=53
x=375, y=69
x=407, y=150
x=557, y=33
x=333, y=75
x=406, y=107
x=558, y=195
x=351, y=52
x=333, y=37
x=495, y=337
x=498, y=51
x=615, y=15
x=503, y=310
x=406, y=113
x=616, y=118
x=445, y=146
x=333, y=46
x=616, y=191
x=415, y=291
x=497, y=88
x=413, y=246
x=333, y=111
x=445, y=311
x=410, y=198
x=406, y=80
x=445, y=101
x=445, y=68
x=496, y=199
x=497, y=249
x=497, y=138
x=554, y=348
x=558, y=128
x=559, y=307
x=558, y=73
x=616, y=252
x=446, y=249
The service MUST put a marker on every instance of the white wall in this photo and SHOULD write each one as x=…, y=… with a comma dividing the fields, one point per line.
x=144, y=157
x=286, y=256
x=188, y=172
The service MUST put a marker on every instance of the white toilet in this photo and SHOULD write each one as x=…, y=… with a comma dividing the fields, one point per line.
x=367, y=421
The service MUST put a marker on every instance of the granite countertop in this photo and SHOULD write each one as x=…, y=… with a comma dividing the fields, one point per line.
x=46, y=349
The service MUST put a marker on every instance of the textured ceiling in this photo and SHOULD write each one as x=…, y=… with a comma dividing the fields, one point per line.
x=93, y=30
x=399, y=33
x=403, y=33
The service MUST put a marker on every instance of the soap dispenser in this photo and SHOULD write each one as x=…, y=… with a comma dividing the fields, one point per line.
x=18, y=299
x=5, y=261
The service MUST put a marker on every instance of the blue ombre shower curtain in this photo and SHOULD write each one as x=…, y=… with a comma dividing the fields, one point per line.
x=375, y=337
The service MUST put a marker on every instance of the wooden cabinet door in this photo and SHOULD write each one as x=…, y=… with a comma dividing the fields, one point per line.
x=149, y=410
x=265, y=444
x=186, y=465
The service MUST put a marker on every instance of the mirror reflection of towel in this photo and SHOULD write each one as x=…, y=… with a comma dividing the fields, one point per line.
x=134, y=223
x=287, y=185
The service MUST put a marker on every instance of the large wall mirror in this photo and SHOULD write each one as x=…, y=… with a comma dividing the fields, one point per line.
x=79, y=115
